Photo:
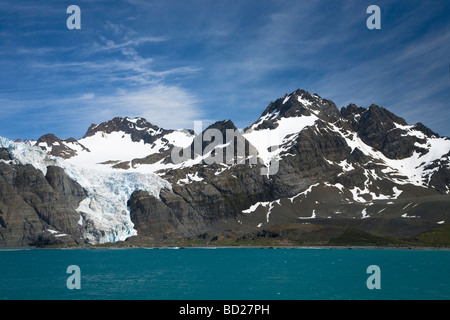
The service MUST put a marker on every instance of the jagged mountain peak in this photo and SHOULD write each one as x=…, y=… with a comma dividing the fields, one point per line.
x=138, y=126
x=381, y=115
x=419, y=126
x=296, y=104
x=383, y=130
x=222, y=125
x=352, y=110
x=290, y=105
x=48, y=138
x=359, y=117
x=219, y=134
x=59, y=147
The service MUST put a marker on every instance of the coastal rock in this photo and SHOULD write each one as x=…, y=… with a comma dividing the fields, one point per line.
x=37, y=209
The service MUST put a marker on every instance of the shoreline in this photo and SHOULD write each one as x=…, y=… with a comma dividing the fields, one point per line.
x=174, y=247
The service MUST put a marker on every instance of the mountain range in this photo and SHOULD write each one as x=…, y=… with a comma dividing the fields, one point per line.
x=304, y=173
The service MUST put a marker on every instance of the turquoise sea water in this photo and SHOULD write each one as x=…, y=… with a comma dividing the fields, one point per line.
x=224, y=273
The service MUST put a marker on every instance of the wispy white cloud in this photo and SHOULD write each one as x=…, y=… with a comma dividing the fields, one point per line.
x=103, y=61
x=109, y=77
x=169, y=107
x=110, y=45
x=166, y=106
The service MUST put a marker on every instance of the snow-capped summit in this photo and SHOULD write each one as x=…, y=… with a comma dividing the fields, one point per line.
x=115, y=143
x=297, y=104
x=138, y=128
x=60, y=148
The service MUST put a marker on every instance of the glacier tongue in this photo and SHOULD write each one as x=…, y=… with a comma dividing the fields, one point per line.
x=106, y=206
x=104, y=213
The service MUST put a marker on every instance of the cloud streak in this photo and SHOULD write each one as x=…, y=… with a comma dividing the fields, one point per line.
x=102, y=79
x=158, y=104
x=224, y=60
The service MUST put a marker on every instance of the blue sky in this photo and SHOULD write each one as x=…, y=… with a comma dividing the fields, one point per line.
x=174, y=62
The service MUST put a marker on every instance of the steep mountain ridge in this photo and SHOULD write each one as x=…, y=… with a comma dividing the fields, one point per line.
x=303, y=163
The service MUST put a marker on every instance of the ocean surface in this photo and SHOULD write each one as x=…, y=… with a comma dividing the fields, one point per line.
x=224, y=273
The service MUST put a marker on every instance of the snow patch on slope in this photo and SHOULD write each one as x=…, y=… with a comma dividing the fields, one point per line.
x=190, y=177
x=303, y=101
x=286, y=99
x=304, y=193
x=266, y=204
x=313, y=216
x=413, y=168
x=287, y=130
x=115, y=146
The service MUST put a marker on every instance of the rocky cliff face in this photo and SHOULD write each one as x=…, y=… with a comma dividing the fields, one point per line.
x=37, y=209
x=304, y=170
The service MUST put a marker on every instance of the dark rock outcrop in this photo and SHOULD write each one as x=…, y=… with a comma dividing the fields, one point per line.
x=37, y=209
x=58, y=147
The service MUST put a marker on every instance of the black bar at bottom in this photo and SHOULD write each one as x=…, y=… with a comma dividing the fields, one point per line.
x=209, y=309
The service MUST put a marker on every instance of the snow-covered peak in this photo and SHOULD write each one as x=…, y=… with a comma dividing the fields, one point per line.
x=59, y=148
x=113, y=145
x=283, y=120
x=303, y=97
x=118, y=151
x=138, y=127
x=296, y=104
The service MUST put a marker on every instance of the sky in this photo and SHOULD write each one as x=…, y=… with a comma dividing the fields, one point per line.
x=175, y=62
